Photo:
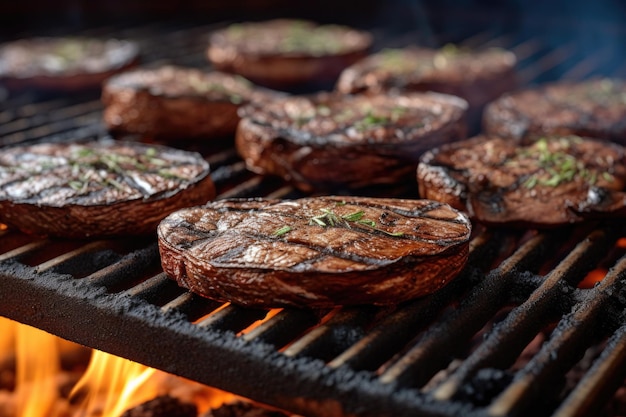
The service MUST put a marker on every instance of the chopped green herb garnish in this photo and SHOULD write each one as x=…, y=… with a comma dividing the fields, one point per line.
x=318, y=220
x=559, y=165
x=316, y=40
x=83, y=152
x=157, y=161
x=243, y=81
x=397, y=112
x=323, y=110
x=99, y=168
x=530, y=182
x=371, y=120
x=400, y=61
x=302, y=120
x=114, y=183
x=329, y=217
x=170, y=175
x=76, y=185
x=608, y=177
x=353, y=217
x=282, y=230
x=344, y=115
x=235, y=99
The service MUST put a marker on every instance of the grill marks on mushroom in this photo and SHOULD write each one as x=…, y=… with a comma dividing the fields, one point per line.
x=594, y=108
x=478, y=76
x=174, y=103
x=64, y=63
x=84, y=174
x=330, y=141
x=229, y=250
x=69, y=189
x=553, y=181
x=287, y=53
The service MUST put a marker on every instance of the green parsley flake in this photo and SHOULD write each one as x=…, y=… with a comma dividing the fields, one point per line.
x=282, y=230
x=330, y=218
x=559, y=165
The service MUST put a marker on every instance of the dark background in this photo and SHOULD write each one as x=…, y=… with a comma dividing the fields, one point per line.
x=40, y=15
x=589, y=24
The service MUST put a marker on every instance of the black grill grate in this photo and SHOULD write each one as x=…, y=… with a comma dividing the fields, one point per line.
x=458, y=352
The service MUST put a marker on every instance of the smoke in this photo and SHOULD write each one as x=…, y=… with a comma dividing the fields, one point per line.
x=590, y=29
x=595, y=31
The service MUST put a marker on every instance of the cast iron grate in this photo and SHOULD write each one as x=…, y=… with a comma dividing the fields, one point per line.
x=513, y=335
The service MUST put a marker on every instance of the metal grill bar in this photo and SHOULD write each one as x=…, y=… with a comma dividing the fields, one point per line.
x=191, y=305
x=506, y=342
x=562, y=349
x=231, y=318
x=598, y=384
x=283, y=327
x=345, y=328
x=395, y=330
x=23, y=250
x=437, y=346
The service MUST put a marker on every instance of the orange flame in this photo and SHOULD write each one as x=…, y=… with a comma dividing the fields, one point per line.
x=37, y=367
x=114, y=385
x=257, y=323
x=7, y=341
x=110, y=385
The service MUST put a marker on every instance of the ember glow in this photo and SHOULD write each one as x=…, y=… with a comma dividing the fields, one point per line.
x=108, y=387
x=271, y=313
x=592, y=278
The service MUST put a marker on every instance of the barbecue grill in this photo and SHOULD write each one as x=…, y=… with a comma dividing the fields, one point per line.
x=514, y=334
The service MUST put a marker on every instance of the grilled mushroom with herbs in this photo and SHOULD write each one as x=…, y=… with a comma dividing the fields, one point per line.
x=174, y=103
x=553, y=181
x=69, y=63
x=330, y=141
x=595, y=108
x=287, y=53
x=315, y=252
x=478, y=76
x=98, y=189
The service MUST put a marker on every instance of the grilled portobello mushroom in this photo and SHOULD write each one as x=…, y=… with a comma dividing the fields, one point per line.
x=64, y=63
x=287, y=53
x=173, y=102
x=594, y=108
x=330, y=141
x=99, y=188
x=553, y=181
x=478, y=76
x=314, y=252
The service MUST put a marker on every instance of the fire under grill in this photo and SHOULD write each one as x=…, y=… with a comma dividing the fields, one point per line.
x=516, y=333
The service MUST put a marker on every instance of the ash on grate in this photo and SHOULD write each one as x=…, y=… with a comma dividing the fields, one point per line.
x=486, y=385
